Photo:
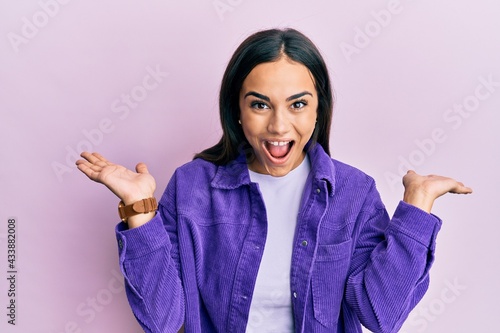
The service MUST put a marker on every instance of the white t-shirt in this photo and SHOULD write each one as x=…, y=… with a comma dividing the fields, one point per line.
x=271, y=307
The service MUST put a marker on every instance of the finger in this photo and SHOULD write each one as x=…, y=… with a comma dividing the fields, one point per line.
x=141, y=168
x=86, y=155
x=83, y=164
x=93, y=171
x=409, y=175
x=462, y=190
x=468, y=190
x=101, y=158
x=101, y=164
x=85, y=167
x=93, y=166
x=94, y=158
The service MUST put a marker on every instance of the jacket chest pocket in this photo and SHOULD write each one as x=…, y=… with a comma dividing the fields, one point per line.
x=328, y=281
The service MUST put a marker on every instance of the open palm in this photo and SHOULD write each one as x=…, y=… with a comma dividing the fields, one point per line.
x=421, y=191
x=126, y=184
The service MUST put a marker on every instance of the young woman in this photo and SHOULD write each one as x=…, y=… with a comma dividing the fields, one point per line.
x=265, y=232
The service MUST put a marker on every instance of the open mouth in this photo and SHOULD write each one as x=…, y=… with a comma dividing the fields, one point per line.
x=278, y=149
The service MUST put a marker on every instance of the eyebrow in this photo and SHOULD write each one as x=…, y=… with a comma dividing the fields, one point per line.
x=267, y=99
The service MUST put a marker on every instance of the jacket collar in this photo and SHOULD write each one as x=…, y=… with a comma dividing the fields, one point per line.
x=235, y=173
x=322, y=167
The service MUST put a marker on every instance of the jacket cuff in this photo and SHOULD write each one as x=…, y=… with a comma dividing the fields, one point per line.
x=143, y=240
x=416, y=223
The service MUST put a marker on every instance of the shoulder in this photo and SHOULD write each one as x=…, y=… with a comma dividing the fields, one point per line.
x=354, y=190
x=203, y=174
x=348, y=173
x=333, y=170
x=341, y=177
x=189, y=181
x=196, y=172
x=197, y=168
x=354, y=185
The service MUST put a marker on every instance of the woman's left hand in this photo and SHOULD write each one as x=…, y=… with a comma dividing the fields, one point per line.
x=421, y=191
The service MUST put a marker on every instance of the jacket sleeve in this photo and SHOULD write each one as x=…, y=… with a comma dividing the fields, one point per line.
x=389, y=271
x=149, y=261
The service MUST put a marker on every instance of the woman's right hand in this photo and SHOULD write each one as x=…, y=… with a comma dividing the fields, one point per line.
x=126, y=184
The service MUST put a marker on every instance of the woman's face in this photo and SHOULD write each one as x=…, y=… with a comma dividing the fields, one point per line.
x=278, y=104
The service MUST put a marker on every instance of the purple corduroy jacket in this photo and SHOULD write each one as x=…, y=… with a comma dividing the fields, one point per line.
x=195, y=263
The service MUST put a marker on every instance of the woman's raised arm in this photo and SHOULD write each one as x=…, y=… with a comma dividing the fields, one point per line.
x=148, y=256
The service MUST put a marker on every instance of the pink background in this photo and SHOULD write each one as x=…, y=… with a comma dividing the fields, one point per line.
x=398, y=69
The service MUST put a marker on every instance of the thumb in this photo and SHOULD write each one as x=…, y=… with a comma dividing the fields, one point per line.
x=141, y=168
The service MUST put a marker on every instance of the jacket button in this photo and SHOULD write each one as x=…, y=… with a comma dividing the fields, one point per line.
x=294, y=294
x=318, y=190
x=304, y=243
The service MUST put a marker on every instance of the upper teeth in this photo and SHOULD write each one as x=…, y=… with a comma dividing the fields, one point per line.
x=279, y=143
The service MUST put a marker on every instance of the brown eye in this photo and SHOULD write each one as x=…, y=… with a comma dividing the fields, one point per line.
x=299, y=104
x=259, y=105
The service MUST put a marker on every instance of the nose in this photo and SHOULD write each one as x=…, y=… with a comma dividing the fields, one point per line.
x=278, y=122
